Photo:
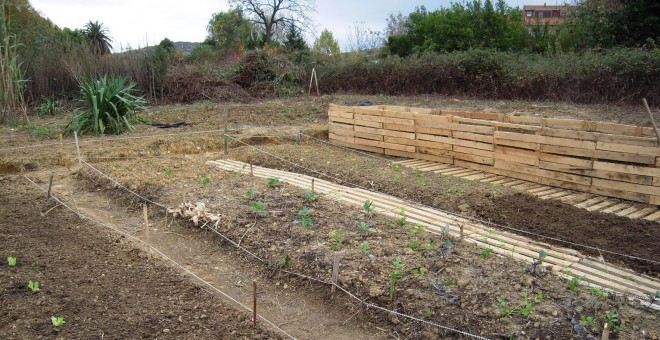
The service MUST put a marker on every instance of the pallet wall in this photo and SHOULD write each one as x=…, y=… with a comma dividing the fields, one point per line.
x=608, y=159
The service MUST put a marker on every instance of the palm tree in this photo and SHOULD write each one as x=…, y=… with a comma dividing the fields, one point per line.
x=98, y=36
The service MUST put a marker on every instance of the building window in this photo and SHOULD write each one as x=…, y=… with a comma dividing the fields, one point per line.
x=529, y=13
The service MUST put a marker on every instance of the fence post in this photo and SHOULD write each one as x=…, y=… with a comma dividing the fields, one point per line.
x=225, y=134
x=50, y=185
x=75, y=137
x=335, y=272
x=254, y=303
x=147, y=237
x=299, y=136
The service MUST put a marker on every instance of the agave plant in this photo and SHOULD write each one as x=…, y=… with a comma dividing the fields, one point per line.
x=113, y=104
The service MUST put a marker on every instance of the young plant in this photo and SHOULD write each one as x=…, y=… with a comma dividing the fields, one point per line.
x=57, y=320
x=536, y=266
x=587, y=320
x=48, y=107
x=306, y=222
x=574, y=283
x=336, y=239
x=168, y=172
x=420, y=176
x=598, y=292
x=365, y=248
x=395, y=276
x=367, y=209
x=304, y=212
x=400, y=220
x=204, y=179
x=503, y=311
x=34, y=285
x=364, y=228
x=310, y=196
x=421, y=271
x=413, y=244
x=612, y=319
x=285, y=261
x=250, y=193
x=486, y=252
x=11, y=261
x=273, y=181
x=259, y=208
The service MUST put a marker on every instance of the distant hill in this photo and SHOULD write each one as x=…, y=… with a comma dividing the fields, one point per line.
x=184, y=46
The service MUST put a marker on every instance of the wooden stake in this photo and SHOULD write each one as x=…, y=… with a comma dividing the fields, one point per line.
x=251, y=172
x=335, y=272
x=655, y=127
x=606, y=332
x=254, y=304
x=147, y=238
x=50, y=185
x=225, y=134
x=461, y=226
x=312, y=185
x=75, y=137
x=299, y=137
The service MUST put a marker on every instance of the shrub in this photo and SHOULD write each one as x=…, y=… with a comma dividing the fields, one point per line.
x=112, y=106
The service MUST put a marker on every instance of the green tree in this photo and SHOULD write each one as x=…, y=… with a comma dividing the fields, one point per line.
x=99, y=36
x=295, y=40
x=229, y=30
x=326, y=47
x=159, y=62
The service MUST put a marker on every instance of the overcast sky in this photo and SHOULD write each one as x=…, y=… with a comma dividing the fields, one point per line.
x=137, y=23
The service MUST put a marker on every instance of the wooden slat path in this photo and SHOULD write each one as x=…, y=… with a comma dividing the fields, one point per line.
x=590, y=202
x=563, y=261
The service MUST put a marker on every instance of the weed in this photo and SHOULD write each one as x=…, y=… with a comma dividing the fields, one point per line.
x=250, y=193
x=11, y=261
x=48, y=107
x=273, y=181
x=41, y=131
x=413, y=245
x=421, y=271
x=285, y=261
x=523, y=309
x=486, y=252
x=598, y=292
x=310, y=196
x=304, y=212
x=503, y=311
x=364, y=228
x=336, y=239
x=396, y=170
x=57, y=320
x=449, y=282
x=429, y=246
x=34, y=285
x=429, y=313
x=365, y=248
x=574, y=283
x=259, y=208
x=203, y=179
x=395, y=276
x=420, y=177
x=168, y=172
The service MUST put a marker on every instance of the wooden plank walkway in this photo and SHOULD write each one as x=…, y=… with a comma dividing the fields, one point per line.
x=563, y=261
x=590, y=202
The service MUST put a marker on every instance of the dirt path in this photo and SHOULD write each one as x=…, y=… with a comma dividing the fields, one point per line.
x=298, y=307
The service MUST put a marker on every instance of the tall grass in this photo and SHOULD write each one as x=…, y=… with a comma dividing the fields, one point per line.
x=12, y=80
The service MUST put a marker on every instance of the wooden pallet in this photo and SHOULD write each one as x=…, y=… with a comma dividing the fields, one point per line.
x=563, y=261
x=590, y=202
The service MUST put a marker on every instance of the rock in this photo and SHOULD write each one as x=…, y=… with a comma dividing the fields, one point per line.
x=166, y=330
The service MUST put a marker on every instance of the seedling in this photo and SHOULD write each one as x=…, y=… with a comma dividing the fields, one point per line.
x=429, y=246
x=11, y=261
x=420, y=176
x=259, y=208
x=449, y=282
x=421, y=271
x=524, y=309
x=486, y=252
x=367, y=208
x=587, y=320
x=168, y=172
x=396, y=171
x=535, y=267
x=204, y=179
x=574, y=282
x=310, y=196
x=57, y=320
x=306, y=222
x=400, y=221
x=304, y=212
x=273, y=181
x=365, y=248
x=598, y=292
x=34, y=285
x=413, y=245
x=364, y=228
x=336, y=239
x=612, y=319
x=285, y=262
x=395, y=276
x=250, y=193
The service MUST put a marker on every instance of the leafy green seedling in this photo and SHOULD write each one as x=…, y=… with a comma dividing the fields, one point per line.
x=612, y=319
x=574, y=282
x=34, y=285
x=259, y=208
x=336, y=239
x=368, y=207
x=306, y=222
x=304, y=212
x=414, y=245
x=598, y=292
x=400, y=221
x=429, y=246
x=285, y=261
x=486, y=252
x=11, y=261
x=168, y=172
x=365, y=248
x=364, y=228
x=421, y=271
x=57, y=320
x=587, y=320
x=205, y=180
x=250, y=193
x=310, y=196
x=395, y=276
x=503, y=311
x=449, y=282
x=273, y=181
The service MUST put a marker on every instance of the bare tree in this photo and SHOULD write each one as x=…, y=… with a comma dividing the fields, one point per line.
x=361, y=38
x=274, y=16
x=396, y=25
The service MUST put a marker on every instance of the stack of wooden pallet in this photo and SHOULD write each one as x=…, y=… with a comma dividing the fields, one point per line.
x=608, y=159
